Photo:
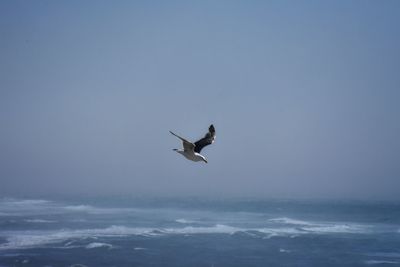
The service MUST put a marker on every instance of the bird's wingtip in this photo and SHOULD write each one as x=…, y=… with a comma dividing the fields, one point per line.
x=211, y=128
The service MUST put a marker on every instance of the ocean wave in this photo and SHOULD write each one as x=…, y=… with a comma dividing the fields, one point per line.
x=98, y=210
x=271, y=232
x=99, y=245
x=184, y=221
x=217, y=229
x=79, y=208
x=286, y=220
x=11, y=205
x=23, y=207
x=28, y=239
x=384, y=254
x=23, y=202
x=34, y=238
x=337, y=228
x=372, y=262
x=39, y=221
x=322, y=227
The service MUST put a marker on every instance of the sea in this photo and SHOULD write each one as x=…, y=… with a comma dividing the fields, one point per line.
x=132, y=231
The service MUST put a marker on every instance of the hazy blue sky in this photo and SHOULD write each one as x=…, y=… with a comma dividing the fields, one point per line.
x=304, y=96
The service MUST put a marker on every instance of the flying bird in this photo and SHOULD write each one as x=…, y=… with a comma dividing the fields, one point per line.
x=191, y=150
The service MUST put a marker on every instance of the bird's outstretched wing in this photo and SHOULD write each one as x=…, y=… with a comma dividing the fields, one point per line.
x=208, y=139
x=187, y=146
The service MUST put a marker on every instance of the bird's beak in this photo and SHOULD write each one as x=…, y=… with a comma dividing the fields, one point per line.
x=205, y=161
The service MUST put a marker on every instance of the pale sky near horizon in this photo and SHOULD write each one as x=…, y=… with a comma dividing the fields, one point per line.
x=304, y=96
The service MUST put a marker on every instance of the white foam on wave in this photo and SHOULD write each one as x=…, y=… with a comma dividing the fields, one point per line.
x=217, y=229
x=337, y=228
x=27, y=239
x=39, y=221
x=286, y=220
x=184, y=221
x=280, y=231
x=10, y=206
x=98, y=210
x=322, y=227
x=21, y=207
x=23, y=202
x=99, y=245
x=30, y=240
x=27, y=207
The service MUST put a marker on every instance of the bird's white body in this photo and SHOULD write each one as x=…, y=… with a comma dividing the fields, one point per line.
x=193, y=156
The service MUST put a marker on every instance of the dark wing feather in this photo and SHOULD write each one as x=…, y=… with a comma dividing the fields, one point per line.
x=208, y=139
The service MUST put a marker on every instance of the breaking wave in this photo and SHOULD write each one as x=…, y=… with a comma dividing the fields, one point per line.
x=99, y=245
x=322, y=227
x=97, y=210
x=18, y=207
x=28, y=239
x=184, y=221
x=23, y=202
x=39, y=221
x=337, y=228
x=286, y=220
x=21, y=207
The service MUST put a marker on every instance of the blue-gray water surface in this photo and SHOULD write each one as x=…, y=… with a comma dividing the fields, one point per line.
x=125, y=231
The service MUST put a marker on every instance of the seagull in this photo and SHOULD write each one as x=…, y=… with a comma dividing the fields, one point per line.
x=191, y=150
